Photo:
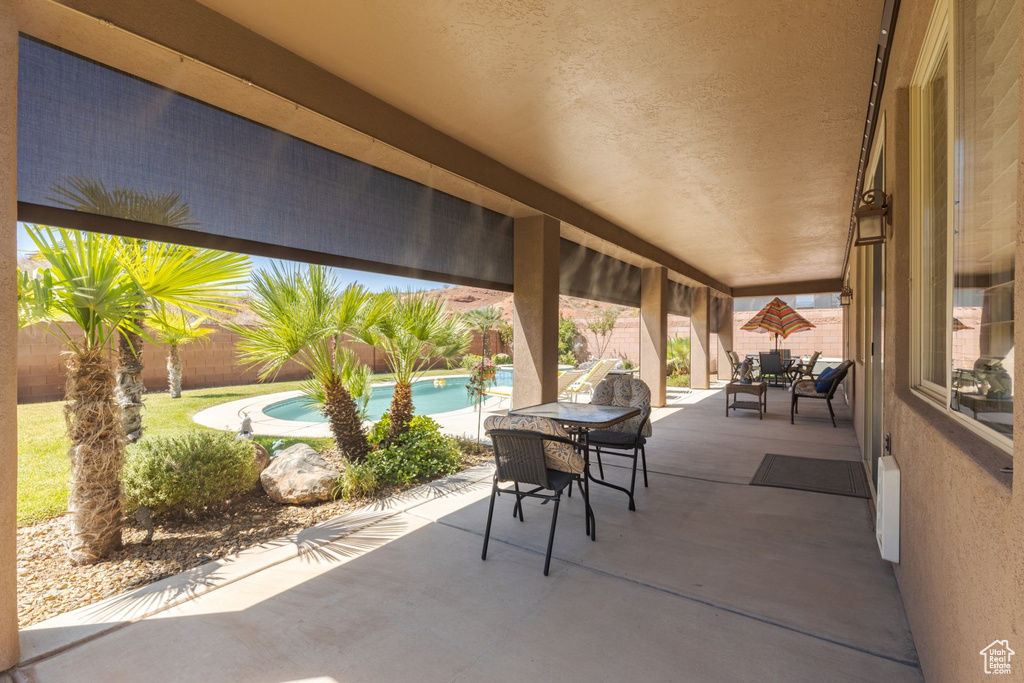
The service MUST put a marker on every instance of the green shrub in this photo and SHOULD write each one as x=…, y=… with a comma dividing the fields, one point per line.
x=678, y=381
x=187, y=473
x=470, y=361
x=359, y=480
x=422, y=453
x=501, y=359
x=568, y=333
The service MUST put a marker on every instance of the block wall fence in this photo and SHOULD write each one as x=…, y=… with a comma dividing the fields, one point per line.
x=215, y=363
x=210, y=363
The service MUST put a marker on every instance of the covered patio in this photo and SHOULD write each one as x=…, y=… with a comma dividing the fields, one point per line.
x=710, y=579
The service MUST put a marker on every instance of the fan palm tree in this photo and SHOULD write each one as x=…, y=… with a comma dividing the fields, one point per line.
x=412, y=330
x=93, y=196
x=304, y=317
x=679, y=354
x=98, y=284
x=176, y=329
x=482, y=320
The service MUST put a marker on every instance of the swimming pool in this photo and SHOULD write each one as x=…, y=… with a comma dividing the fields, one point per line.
x=426, y=399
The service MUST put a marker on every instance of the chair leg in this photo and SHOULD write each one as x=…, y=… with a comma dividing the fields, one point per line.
x=831, y=412
x=600, y=465
x=551, y=536
x=490, y=513
x=643, y=455
x=518, y=507
x=792, y=409
x=632, y=481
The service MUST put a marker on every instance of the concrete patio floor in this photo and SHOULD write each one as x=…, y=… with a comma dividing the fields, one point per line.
x=709, y=580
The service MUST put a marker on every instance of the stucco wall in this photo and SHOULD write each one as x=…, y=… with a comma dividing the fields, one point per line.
x=961, y=526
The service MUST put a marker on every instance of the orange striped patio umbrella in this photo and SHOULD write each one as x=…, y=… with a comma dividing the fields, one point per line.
x=779, y=319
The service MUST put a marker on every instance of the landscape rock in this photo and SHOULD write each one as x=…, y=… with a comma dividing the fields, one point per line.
x=299, y=475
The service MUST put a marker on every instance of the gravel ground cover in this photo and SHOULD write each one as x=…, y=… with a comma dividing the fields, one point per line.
x=48, y=584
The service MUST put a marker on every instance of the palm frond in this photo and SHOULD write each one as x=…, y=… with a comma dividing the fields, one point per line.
x=92, y=196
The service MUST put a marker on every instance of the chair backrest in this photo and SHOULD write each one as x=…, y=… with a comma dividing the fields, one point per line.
x=628, y=392
x=838, y=378
x=786, y=353
x=809, y=368
x=734, y=358
x=567, y=378
x=558, y=455
x=519, y=456
x=771, y=364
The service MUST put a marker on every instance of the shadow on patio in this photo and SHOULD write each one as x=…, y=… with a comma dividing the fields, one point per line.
x=709, y=580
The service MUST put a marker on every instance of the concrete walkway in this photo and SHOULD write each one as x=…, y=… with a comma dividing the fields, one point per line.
x=709, y=580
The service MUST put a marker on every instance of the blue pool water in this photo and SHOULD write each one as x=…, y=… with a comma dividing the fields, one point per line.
x=426, y=399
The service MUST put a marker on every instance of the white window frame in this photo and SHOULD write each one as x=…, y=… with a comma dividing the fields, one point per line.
x=938, y=38
x=941, y=34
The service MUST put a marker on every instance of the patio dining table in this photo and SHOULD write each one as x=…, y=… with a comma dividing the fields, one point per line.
x=579, y=419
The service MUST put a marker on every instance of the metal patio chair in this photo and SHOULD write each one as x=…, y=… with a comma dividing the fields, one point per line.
x=519, y=458
x=629, y=438
x=771, y=366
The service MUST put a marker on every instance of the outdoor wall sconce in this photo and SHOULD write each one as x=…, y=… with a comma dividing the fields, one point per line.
x=872, y=217
x=845, y=296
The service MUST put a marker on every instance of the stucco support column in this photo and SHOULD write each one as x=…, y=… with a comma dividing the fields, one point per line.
x=535, y=297
x=700, y=339
x=654, y=331
x=9, y=651
x=725, y=322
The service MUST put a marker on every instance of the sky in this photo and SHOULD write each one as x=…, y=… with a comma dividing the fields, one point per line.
x=373, y=281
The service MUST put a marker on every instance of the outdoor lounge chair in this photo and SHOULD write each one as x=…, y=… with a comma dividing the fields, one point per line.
x=590, y=380
x=809, y=388
x=564, y=380
x=771, y=366
x=535, y=452
x=625, y=438
x=734, y=360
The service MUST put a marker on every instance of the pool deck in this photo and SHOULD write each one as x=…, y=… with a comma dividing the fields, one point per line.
x=462, y=422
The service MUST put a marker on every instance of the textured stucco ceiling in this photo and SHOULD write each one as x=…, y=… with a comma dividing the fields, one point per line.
x=726, y=132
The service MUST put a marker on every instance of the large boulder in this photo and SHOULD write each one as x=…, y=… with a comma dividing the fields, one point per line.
x=299, y=475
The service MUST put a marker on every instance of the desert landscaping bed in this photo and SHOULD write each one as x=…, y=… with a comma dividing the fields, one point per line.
x=49, y=584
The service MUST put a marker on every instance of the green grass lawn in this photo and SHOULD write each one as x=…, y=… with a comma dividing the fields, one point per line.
x=43, y=466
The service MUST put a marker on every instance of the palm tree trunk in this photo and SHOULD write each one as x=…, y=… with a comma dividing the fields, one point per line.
x=174, y=371
x=401, y=409
x=346, y=426
x=97, y=454
x=130, y=386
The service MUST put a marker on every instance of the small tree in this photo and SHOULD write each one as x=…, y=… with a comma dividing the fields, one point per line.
x=601, y=327
x=412, y=330
x=176, y=329
x=99, y=284
x=305, y=317
x=679, y=355
x=483, y=320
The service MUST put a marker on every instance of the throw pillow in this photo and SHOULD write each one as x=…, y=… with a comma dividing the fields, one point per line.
x=823, y=383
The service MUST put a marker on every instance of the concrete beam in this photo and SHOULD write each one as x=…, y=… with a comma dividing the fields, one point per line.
x=9, y=648
x=654, y=331
x=700, y=340
x=783, y=288
x=535, y=298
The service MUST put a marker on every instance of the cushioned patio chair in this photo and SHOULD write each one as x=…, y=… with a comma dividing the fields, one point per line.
x=802, y=370
x=771, y=366
x=821, y=388
x=536, y=452
x=627, y=438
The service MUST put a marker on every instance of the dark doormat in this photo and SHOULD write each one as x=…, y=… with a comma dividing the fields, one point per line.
x=840, y=477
